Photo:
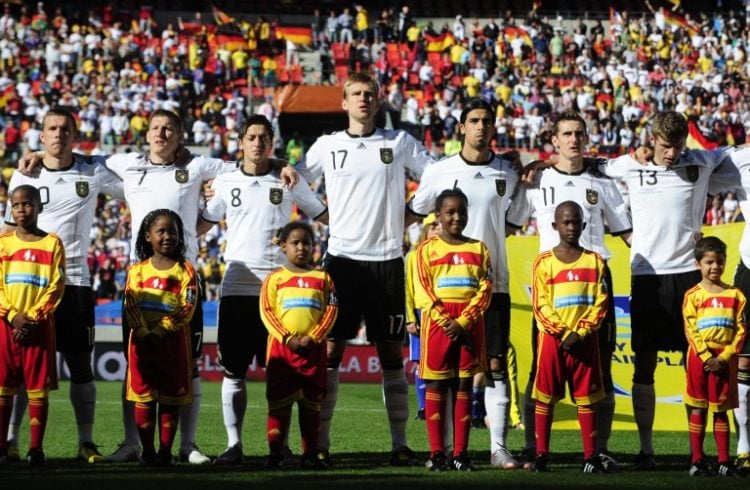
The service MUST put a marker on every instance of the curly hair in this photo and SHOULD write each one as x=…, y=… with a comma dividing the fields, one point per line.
x=144, y=250
x=283, y=234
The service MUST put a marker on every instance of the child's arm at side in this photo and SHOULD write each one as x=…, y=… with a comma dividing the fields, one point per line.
x=136, y=321
x=546, y=317
x=481, y=300
x=181, y=317
x=268, y=310
x=53, y=293
x=735, y=346
x=436, y=310
x=690, y=313
x=319, y=332
x=593, y=316
x=410, y=284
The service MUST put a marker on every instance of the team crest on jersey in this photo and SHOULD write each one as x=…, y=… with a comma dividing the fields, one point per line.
x=82, y=188
x=692, y=173
x=275, y=195
x=181, y=175
x=332, y=300
x=386, y=155
x=500, y=187
x=592, y=197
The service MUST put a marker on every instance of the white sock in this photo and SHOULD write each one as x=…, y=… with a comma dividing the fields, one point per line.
x=189, y=418
x=83, y=399
x=496, y=402
x=128, y=420
x=233, y=404
x=396, y=399
x=741, y=419
x=605, y=413
x=644, y=406
x=20, y=402
x=327, y=407
x=529, y=418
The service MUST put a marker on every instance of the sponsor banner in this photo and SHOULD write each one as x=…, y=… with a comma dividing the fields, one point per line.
x=360, y=364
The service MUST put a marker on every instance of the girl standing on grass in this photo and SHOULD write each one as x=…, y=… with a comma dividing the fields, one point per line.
x=298, y=307
x=160, y=299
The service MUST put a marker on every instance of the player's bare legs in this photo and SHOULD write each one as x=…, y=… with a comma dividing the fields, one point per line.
x=335, y=350
x=741, y=415
x=644, y=405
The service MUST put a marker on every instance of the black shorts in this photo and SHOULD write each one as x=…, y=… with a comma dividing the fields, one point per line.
x=74, y=320
x=497, y=325
x=374, y=291
x=196, y=328
x=742, y=282
x=241, y=335
x=656, y=311
x=608, y=329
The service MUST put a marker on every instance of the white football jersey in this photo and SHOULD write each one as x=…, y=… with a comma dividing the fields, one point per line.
x=69, y=198
x=597, y=195
x=741, y=160
x=256, y=207
x=667, y=206
x=365, y=179
x=177, y=187
x=489, y=187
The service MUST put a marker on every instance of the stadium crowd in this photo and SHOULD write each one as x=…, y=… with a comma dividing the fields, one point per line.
x=112, y=72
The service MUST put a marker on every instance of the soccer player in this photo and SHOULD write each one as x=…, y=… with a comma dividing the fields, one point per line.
x=455, y=274
x=33, y=272
x=298, y=307
x=569, y=299
x=365, y=176
x=256, y=205
x=570, y=179
x=715, y=331
x=667, y=201
x=489, y=181
x=69, y=186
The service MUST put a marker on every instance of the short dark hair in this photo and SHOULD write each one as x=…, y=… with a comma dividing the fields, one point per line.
x=569, y=204
x=283, y=234
x=475, y=104
x=710, y=244
x=568, y=116
x=31, y=190
x=61, y=111
x=171, y=115
x=256, y=120
x=455, y=192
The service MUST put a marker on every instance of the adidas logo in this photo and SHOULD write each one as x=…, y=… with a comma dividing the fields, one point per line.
x=361, y=146
x=60, y=181
x=255, y=184
x=570, y=184
x=478, y=175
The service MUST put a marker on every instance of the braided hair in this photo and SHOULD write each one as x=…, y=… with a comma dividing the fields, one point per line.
x=144, y=250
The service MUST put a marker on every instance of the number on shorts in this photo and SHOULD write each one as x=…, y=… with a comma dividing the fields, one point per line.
x=396, y=324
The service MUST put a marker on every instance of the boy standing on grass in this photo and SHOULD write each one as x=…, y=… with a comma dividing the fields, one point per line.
x=32, y=268
x=715, y=331
x=569, y=301
x=455, y=275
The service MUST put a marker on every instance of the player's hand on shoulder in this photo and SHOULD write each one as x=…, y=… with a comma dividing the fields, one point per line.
x=208, y=190
x=528, y=172
x=289, y=176
x=28, y=162
x=643, y=154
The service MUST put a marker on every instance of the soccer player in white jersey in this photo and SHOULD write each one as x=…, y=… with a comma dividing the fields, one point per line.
x=667, y=199
x=365, y=175
x=570, y=179
x=489, y=181
x=69, y=186
x=741, y=160
x=256, y=206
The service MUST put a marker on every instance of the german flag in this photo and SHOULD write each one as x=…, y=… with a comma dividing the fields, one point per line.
x=439, y=43
x=513, y=32
x=298, y=35
x=220, y=17
x=679, y=21
x=696, y=140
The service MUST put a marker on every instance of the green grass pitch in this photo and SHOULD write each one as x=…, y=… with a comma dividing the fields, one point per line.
x=360, y=446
